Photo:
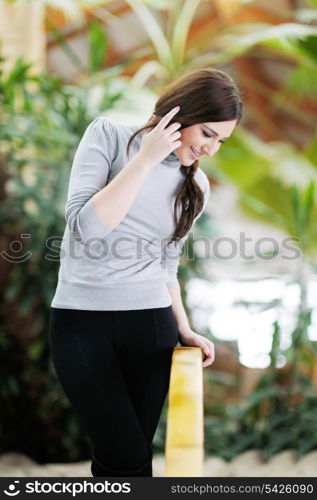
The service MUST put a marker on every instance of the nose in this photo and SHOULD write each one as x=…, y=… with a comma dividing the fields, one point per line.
x=210, y=150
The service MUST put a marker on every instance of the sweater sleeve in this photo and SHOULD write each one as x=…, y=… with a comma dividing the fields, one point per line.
x=171, y=254
x=171, y=258
x=89, y=174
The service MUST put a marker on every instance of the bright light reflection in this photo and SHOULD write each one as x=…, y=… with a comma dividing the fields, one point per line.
x=215, y=304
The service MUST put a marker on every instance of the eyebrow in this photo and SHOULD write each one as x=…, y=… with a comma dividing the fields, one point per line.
x=212, y=130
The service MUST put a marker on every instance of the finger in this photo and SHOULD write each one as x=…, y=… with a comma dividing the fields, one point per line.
x=207, y=364
x=211, y=355
x=211, y=348
x=173, y=127
x=208, y=361
x=205, y=349
x=167, y=118
x=176, y=145
x=210, y=345
x=208, y=353
x=176, y=136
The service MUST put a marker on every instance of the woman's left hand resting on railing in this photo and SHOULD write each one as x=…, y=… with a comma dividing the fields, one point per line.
x=192, y=339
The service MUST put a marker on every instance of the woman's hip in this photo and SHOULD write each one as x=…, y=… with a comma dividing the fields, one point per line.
x=127, y=332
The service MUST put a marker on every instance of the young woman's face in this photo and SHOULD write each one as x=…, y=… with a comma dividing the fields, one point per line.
x=205, y=138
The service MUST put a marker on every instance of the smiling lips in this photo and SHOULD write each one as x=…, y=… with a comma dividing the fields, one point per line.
x=195, y=154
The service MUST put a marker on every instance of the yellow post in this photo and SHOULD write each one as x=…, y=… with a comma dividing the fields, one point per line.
x=184, y=449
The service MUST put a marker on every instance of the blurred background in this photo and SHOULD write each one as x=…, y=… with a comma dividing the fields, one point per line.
x=248, y=276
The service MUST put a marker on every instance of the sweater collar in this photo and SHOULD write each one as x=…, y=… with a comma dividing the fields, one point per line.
x=170, y=160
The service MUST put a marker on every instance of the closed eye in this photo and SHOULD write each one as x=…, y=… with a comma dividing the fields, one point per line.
x=207, y=135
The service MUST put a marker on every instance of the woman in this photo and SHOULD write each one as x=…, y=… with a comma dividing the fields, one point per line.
x=117, y=312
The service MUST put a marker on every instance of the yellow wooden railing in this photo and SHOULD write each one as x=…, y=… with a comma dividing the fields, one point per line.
x=184, y=448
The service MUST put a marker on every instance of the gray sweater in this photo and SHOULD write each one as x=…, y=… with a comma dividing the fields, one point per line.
x=132, y=265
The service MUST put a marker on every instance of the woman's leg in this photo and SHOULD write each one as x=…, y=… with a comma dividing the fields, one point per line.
x=114, y=368
x=84, y=356
x=145, y=343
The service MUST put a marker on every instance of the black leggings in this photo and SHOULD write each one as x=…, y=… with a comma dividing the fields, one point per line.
x=114, y=367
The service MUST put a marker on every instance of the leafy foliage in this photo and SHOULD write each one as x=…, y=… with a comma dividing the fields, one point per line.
x=42, y=122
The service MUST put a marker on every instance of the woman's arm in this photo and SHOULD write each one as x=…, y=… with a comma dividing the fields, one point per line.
x=94, y=207
x=187, y=336
x=179, y=310
x=114, y=201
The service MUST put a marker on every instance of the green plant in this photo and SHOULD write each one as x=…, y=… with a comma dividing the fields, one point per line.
x=267, y=420
x=42, y=121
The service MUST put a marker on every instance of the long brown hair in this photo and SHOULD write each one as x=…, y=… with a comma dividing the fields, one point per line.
x=205, y=95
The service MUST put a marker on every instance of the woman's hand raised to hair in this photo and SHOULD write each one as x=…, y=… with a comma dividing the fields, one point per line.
x=161, y=140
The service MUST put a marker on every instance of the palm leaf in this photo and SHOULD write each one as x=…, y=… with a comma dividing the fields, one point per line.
x=283, y=33
x=305, y=15
x=98, y=43
x=74, y=10
x=233, y=41
x=154, y=32
x=181, y=30
x=158, y=4
x=148, y=69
